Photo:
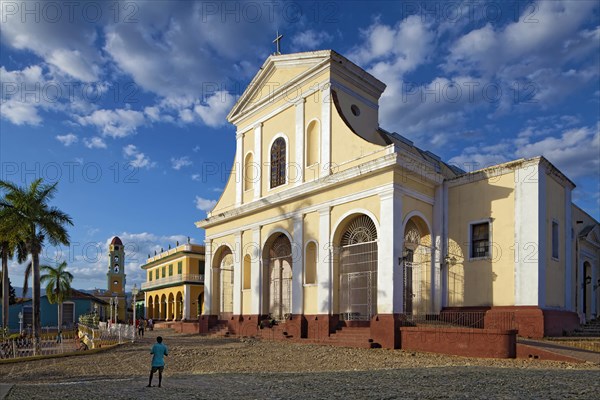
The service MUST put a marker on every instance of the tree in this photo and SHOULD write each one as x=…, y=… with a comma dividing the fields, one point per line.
x=10, y=243
x=35, y=221
x=58, y=285
x=12, y=294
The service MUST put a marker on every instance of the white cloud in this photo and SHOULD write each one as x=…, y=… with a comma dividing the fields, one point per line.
x=67, y=139
x=115, y=123
x=66, y=47
x=196, y=177
x=575, y=152
x=178, y=163
x=137, y=158
x=21, y=95
x=73, y=63
x=94, y=143
x=214, y=111
x=310, y=40
x=204, y=204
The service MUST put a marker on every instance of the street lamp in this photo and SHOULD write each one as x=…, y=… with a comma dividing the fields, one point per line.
x=111, y=310
x=20, y=322
x=116, y=309
x=134, y=292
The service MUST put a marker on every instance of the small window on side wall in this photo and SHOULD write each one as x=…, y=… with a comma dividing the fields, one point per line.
x=480, y=240
x=555, y=239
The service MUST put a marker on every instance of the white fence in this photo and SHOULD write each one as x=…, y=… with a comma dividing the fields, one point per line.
x=85, y=338
x=48, y=345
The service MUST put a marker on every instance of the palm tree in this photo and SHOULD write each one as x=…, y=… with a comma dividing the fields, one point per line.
x=10, y=244
x=35, y=220
x=58, y=285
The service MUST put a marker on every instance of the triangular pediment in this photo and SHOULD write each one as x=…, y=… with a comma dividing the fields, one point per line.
x=278, y=74
x=594, y=236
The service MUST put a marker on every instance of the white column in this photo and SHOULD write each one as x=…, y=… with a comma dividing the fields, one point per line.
x=208, y=282
x=299, y=168
x=568, y=254
x=325, y=284
x=258, y=160
x=255, y=272
x=297, y=266
x=326, y=102
x=187, y=302
x=389, y=274
x=239, y=168
x=579, y=285
x=530, y=230
x=437, y=258
x=237, y=274
x=445, y=270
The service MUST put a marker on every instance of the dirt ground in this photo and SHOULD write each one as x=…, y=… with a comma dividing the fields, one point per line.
x=202, y=367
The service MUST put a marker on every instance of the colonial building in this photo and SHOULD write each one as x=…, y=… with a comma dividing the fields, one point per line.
x=115, y=281
x=174, y=287
x=327, y=220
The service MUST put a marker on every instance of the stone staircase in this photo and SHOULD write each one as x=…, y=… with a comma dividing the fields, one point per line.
x=347, y=336
x=591, y=329
x=221, y=329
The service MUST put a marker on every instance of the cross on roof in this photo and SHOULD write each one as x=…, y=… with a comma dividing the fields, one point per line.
x=276, y=41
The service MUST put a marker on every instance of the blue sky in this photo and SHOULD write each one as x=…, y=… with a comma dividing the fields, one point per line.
x=124, y=103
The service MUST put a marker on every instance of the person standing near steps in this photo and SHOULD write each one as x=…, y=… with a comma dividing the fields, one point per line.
x=159, y=351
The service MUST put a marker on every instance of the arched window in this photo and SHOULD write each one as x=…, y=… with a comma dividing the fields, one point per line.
x=248, y=172
x=310, y=262
x=312, y=143
x=278, y=162
x=246, y=271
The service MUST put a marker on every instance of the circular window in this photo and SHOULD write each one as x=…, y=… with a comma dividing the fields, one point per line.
x=355, y=110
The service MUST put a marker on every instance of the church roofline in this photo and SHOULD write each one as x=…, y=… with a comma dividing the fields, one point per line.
x=501, y=169
x=320, y=58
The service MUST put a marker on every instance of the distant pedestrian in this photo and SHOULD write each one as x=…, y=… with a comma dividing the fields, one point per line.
x=141, y=327
x=59, y=337
x=159, y=351
x=151, y=324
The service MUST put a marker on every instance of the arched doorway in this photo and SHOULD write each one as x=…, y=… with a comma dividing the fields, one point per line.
x=171, y=308
x=358, y=269
x=150, y=309
x=163, y=307
x=278, y=273
x=223, y=282
x=179, y=306
x=156, y=314
x=416, y=265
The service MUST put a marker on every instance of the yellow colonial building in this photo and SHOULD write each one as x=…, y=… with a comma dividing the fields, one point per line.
x=327, y=220
x=174, y=287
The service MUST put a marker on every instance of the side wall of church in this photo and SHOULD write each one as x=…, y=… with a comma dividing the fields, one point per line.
x=482, y=281
x=555, y=266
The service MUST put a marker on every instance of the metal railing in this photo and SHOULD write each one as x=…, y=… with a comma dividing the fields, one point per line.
x=179, y=278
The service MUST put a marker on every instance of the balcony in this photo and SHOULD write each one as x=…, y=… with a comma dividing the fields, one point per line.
x=173, y=280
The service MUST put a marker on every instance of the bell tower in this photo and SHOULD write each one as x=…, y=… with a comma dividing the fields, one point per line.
x=116, y=266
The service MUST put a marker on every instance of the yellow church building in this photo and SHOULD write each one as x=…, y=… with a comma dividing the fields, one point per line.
x=330, y=222
x=174, y=287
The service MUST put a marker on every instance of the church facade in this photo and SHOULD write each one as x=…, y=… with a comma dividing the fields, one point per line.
x=327, y=220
